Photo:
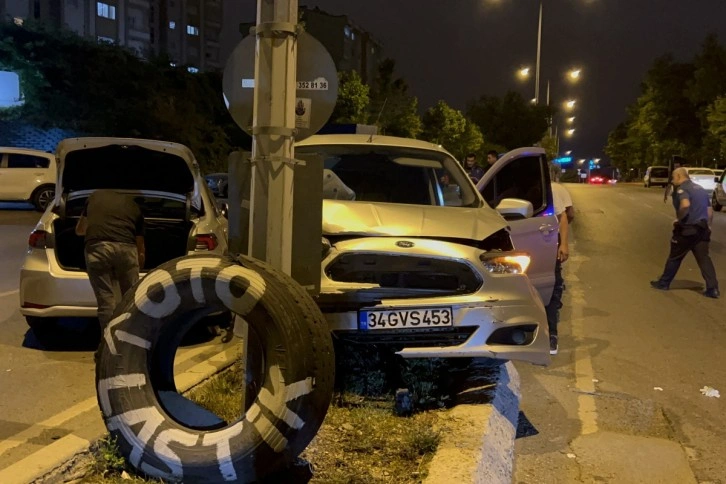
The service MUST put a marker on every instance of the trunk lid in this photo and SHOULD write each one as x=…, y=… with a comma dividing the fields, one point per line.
x=126, y=164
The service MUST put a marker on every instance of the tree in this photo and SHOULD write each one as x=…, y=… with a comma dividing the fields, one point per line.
x=103, y=89
x=393, y=109
x=510, y=121
x=448, y=127
x=353, y=100
x=716, y=115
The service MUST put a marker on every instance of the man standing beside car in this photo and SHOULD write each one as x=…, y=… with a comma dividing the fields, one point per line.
x=113, y=226
x=565, y=214
x=691, y=233
x=474, y=171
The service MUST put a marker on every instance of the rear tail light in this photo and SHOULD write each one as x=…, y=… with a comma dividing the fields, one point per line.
x=206, y=242
x=38, y=239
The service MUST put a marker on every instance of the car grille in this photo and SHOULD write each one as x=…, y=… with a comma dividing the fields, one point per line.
x=439, y=337
x=424, y=275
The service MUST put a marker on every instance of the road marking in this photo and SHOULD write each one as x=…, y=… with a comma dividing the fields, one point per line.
x=9, y=293
x=584, y=374
x=90, y=403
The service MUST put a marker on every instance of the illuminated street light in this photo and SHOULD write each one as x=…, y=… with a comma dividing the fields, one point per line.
x=523, y=73
x=568, y=153
x=570, y=131
x=574, y=74
x=533, y=100
x=570, y=105
x=570, y=120
x=581, y=161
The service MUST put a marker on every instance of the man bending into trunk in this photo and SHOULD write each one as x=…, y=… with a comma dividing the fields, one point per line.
x=113, y=226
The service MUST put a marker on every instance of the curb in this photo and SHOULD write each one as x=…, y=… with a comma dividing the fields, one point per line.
x=479, y=445
x=42, y=465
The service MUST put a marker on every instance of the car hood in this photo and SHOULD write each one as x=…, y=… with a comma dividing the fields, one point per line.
x=388, y=219
x=127, y=164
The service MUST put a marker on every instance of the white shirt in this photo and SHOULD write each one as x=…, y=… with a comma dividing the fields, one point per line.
x=561, y=198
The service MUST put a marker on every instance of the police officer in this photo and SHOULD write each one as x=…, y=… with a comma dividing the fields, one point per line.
x=691, y=232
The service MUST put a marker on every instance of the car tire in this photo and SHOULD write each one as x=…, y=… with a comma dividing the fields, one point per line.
x=714, y=204
x=42, y=197
x=135, y=363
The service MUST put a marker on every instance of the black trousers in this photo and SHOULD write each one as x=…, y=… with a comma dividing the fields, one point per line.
x=690, y=238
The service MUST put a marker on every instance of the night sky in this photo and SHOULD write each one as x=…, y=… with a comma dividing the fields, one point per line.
x=457, y=50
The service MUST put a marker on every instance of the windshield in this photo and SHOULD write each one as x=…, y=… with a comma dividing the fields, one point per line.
x=659, y=172
x=370, y=173
x=700, y=172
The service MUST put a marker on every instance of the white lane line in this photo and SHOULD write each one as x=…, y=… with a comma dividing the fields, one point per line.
x=584, y=374
x=9, y=293
x=35, y=465
x=86, y=405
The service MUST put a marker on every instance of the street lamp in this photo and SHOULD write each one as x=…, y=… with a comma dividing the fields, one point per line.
x=570, y=132
x=570, y=120
x=568, y=153
x=523, y=73
x=570, y=105
x=574, y=74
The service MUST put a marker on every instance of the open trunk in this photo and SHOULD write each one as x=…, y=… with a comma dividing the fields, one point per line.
x=165, y=240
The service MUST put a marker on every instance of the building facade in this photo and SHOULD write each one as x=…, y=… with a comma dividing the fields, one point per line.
x=350, y=46
x=186, y=30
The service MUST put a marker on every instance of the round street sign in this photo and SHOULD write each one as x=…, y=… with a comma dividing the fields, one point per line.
x=317, y=85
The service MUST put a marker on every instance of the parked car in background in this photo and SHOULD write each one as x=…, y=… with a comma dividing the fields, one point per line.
x=717, y=172
x=718, y=197
x=599, y=180
x=656, y=175
x=181, y=218
x=703, y=176
x=27, y=176
x=218, y=183
x=415, y=258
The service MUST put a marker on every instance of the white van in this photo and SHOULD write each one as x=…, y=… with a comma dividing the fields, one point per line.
x=656, y=175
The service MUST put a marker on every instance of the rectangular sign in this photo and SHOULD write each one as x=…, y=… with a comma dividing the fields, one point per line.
x=405, y=318
x=319, y=84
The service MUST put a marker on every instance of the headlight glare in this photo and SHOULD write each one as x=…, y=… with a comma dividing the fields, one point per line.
x=506, y=263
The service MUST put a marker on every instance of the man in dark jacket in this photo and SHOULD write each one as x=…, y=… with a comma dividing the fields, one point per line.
x=691, y=233
x=113, y=226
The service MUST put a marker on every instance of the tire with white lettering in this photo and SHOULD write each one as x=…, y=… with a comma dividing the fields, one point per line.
x=165, y=438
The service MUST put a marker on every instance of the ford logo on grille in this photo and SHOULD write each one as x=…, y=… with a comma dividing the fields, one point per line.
x=405, y=244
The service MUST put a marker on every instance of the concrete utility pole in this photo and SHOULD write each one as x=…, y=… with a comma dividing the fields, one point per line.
x=273, y=129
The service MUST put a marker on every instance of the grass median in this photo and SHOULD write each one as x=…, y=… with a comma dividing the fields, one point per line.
x=372, y=432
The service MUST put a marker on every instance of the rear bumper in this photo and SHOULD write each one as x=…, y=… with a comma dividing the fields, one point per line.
x=47, y=290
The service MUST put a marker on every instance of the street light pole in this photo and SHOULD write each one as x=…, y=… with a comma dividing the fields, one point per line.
x=539, y=55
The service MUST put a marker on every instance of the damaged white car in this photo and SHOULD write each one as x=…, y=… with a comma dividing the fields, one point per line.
x=414, y=256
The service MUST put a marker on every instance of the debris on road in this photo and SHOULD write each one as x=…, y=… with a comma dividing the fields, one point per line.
x=658, y=389
x=710, y=392
x=571, y=456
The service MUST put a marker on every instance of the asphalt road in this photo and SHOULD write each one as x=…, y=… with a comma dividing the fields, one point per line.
x=47, y=393
x=622, y=402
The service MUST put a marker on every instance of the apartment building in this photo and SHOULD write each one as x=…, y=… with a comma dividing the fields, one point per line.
x=187, y=30
x=350, y=46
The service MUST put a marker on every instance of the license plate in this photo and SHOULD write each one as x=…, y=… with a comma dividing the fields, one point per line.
x=405, y=318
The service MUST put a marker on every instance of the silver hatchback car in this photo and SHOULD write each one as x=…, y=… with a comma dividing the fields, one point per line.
x=416, y=257
x=180, y=213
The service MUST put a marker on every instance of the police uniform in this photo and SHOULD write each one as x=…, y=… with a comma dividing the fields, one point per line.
x=690, y=234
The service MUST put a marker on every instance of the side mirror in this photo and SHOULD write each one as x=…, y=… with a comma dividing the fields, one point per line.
x=224, y=209
x=515, y=209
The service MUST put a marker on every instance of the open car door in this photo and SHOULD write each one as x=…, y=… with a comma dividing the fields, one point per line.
x=523, y=174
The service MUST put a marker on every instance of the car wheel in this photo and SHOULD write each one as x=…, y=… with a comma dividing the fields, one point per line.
x=134, y=371
x=42, y=197
x=714, y=203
